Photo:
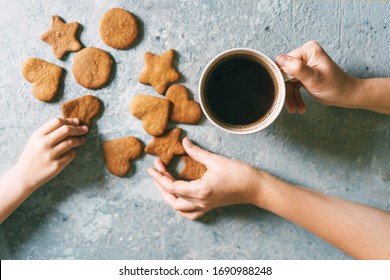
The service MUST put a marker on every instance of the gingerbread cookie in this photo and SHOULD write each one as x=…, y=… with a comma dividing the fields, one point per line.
x=159, y=71
x=119, y=153
x=153, y=111
x=92, y=67
x=183, y=109
x=192, y=170
x=167, y=146
x=44, y=76
x=62, y=37
x=118, y=28
x=84, y=108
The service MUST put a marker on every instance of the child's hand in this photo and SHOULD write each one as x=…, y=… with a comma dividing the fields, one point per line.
x=319, y=74
x=49, y=150
x=226, y=182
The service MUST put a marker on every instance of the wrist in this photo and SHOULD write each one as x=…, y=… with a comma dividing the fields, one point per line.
x=24, y=185
x=258, y=195
x=270, y=191
x=354, y=91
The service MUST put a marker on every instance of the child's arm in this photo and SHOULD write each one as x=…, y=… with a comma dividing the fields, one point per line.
x=327, y=83
x=49, y=150
x=361, y=231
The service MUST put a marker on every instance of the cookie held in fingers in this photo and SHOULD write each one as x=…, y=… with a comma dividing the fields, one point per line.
x=159, y=71
x=192, y=170
x=92, y=68
x=119, y=28
x=183, y=110
x=119, y=153
x=62, y=37
x=84, y=108
x=166, y=146
x=153, y=111
x=44, y=76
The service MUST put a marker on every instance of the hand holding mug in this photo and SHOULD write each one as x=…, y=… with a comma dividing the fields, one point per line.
x=325, y=81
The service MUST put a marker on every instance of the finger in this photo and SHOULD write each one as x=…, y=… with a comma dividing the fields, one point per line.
x=66, y=158
x=177, y=188
x=159, y=165
x=65, y=131
x=193, y=215
x=296, y=68
x=177, y=203
x=68, y=144
x=290, y=102
x=198, y=153
x=311, y=53
x=55, y=123
x=300, y=104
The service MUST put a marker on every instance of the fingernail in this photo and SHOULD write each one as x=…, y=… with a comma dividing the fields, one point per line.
x=282, y=60
x=158, y=164
x=76, y=121
x=152, y=172
x=85, y=128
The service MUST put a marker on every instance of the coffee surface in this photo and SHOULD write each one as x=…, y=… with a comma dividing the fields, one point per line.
x=240, y=91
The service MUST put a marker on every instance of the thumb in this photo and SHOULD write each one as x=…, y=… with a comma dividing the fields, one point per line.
x=197, y=153
x=297, y=68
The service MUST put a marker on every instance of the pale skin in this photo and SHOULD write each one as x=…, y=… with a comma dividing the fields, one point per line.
x=360, y=231
x=49, y=150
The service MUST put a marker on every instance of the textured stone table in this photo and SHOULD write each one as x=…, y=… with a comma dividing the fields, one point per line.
x=86, y=213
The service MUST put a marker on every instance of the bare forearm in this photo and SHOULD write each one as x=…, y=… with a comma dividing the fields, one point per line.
x=372, y=94
x=13, y=191
x=360, y=231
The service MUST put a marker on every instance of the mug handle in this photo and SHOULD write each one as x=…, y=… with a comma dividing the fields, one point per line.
x=288, y=77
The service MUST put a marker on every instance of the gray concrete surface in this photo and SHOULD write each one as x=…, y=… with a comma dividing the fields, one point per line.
x=86, y=213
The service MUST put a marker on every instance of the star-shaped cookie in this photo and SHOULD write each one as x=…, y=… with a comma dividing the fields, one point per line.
x=62, y=37
x=159, y=71
x=167, y=146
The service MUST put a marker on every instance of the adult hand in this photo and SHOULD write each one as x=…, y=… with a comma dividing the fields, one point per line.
x=319, y=74
x=226, y=182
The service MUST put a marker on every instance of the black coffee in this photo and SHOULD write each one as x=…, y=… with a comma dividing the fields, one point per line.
x=240, y=91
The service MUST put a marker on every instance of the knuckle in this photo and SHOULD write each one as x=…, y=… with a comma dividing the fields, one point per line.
x=66, y=129
x=298, y=66
x=204, y=193
x=57, y=121
x=56, y=165
x=315, y=46
x=43, y=144
x=68, y=143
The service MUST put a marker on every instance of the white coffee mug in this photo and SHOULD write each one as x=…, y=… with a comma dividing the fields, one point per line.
x=278, y=77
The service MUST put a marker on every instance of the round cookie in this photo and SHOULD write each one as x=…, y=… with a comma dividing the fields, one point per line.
x=92, y=67
x=118, y=28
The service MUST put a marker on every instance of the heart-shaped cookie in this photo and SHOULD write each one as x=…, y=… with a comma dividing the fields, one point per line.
x=153, y=111
x=85, y=108
x=183, y=110
x=119, y=153
x=44, y=76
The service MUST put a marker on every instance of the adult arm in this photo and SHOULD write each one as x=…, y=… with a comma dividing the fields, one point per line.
x=360, y=231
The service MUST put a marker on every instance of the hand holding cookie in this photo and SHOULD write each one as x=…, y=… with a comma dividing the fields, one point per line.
x=226, y=182
x=49, y=150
